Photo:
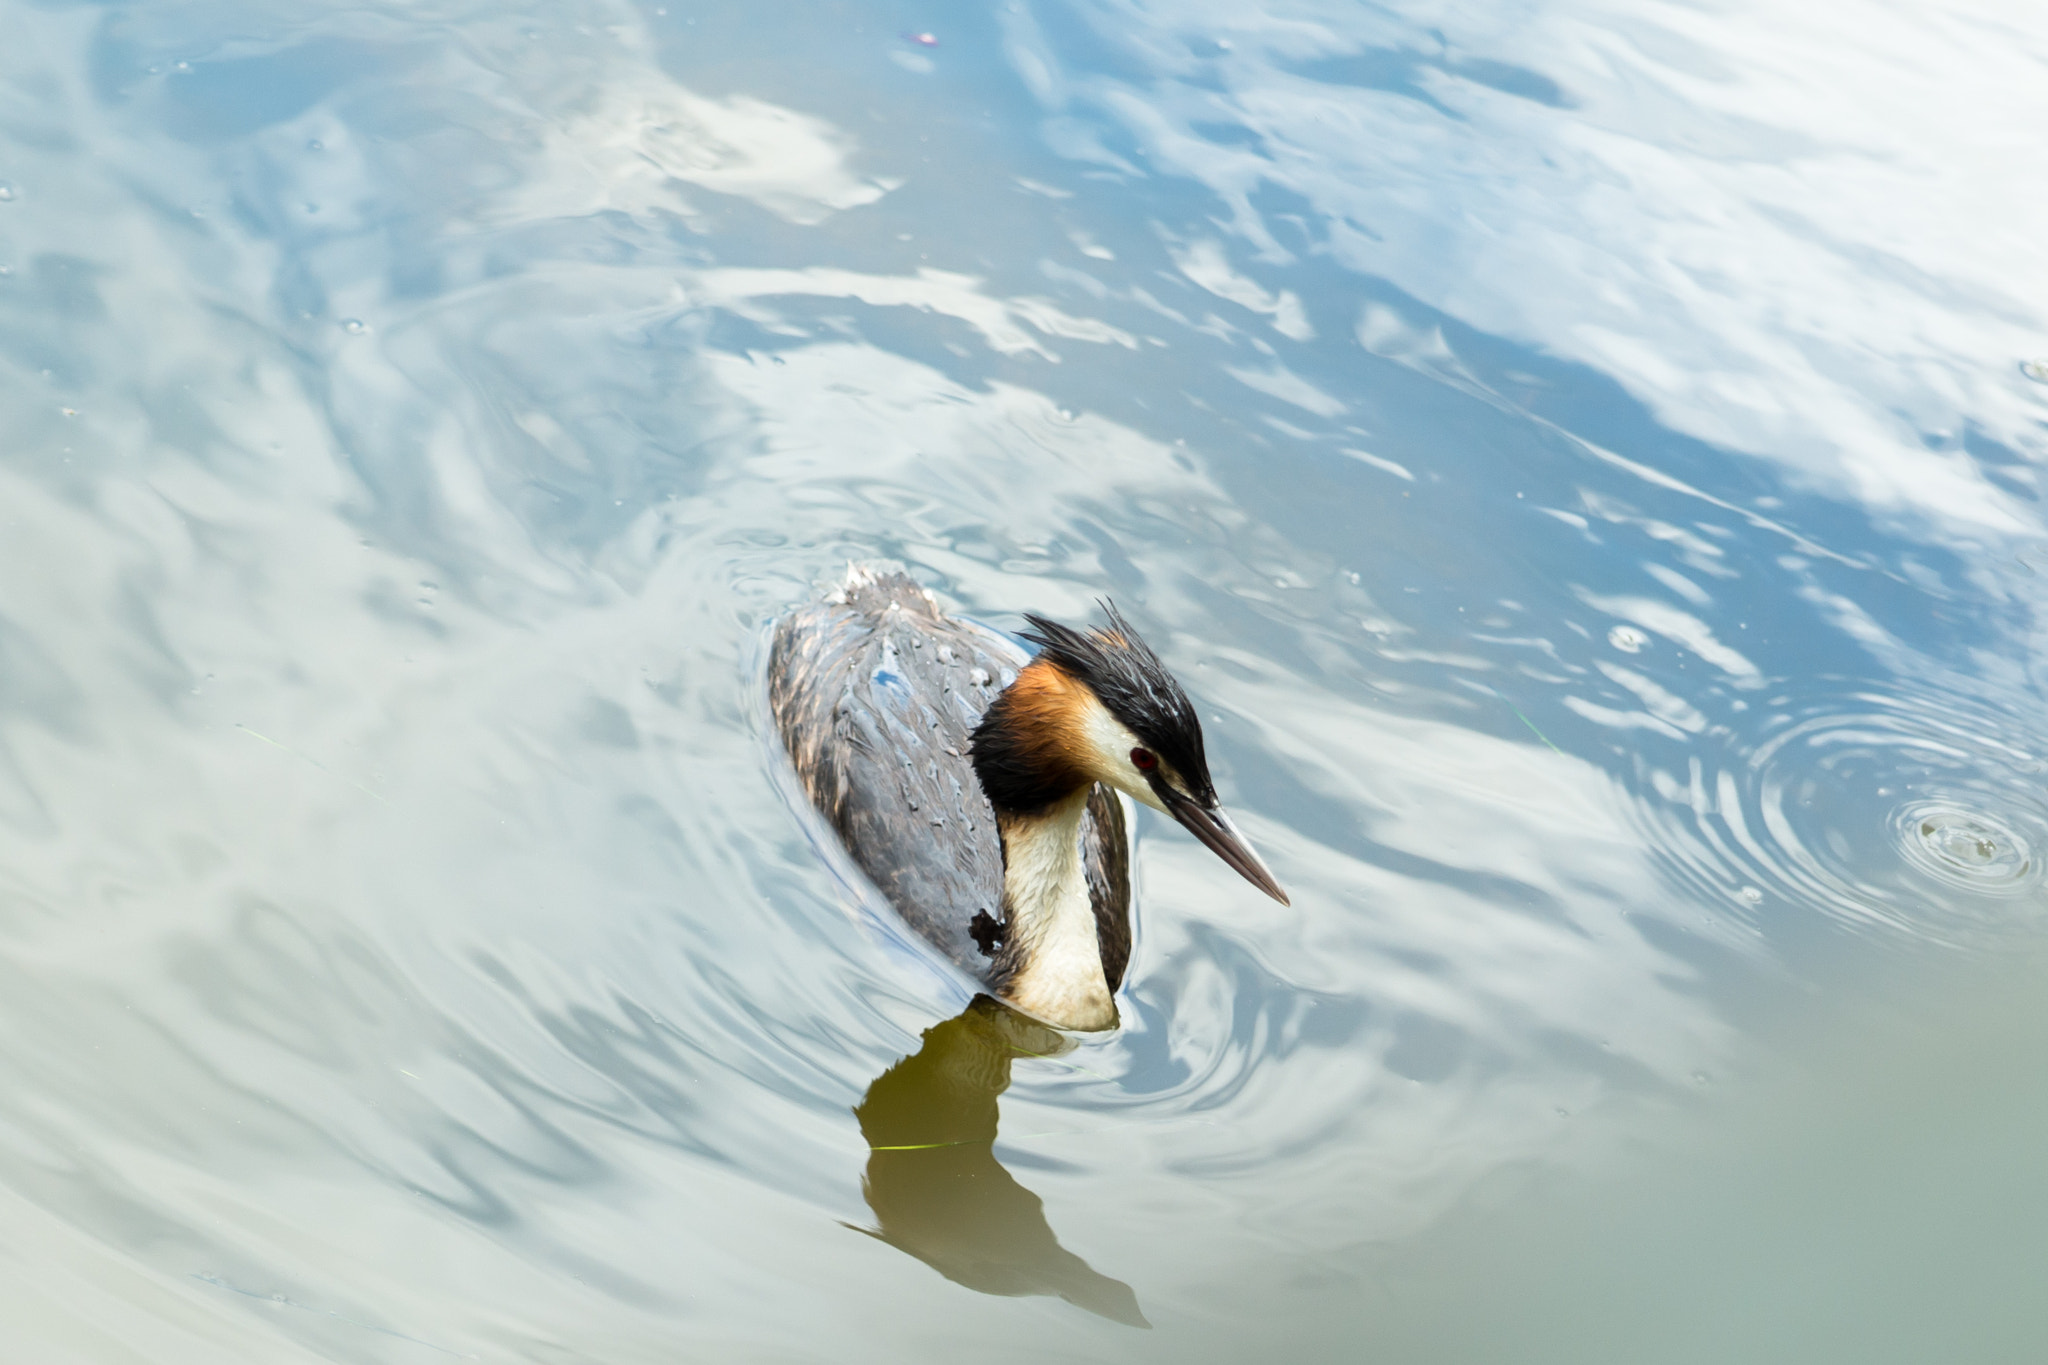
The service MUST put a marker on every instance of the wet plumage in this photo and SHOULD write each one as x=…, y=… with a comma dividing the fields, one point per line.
x=976, y=786
x=876, y=694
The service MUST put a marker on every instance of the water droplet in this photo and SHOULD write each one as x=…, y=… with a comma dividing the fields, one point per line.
x=978, y=676
x=316, y=145
x=2036, y=370
x=6, y=191
x=1966, y=847
x=1891, y=809
x=354, y=326
x=1627, y=639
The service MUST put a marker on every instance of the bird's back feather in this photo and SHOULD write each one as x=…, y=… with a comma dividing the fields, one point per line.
x=875, y=692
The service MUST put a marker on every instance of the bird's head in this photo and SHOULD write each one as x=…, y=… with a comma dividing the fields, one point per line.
x=1099, y=706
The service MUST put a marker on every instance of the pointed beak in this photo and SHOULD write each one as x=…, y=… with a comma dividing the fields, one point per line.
x=1213, y=827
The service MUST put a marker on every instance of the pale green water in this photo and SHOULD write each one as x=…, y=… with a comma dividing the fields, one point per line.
x=1582, y=458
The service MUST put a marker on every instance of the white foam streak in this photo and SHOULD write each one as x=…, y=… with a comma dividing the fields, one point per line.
x=1002, y=323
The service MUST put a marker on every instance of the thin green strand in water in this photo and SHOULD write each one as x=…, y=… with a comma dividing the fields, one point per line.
x=312, y=760
x=1530, y=723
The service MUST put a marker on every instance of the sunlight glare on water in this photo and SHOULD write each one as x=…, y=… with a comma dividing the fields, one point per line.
x=1582, y=458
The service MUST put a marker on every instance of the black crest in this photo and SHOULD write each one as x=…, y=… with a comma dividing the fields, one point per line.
x=1133, y=684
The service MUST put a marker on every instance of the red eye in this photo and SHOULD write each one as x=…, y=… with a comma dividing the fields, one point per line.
x=1145, y=760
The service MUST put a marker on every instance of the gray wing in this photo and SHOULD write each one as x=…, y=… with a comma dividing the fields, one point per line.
x=875, y=693
x=1106, y=853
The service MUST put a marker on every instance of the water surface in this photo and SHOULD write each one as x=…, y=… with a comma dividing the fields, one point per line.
x=1582, y=457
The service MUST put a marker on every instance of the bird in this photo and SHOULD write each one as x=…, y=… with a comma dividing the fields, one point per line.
x=976, y=785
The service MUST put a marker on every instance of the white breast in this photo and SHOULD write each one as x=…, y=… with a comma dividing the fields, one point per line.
x=1052, y=921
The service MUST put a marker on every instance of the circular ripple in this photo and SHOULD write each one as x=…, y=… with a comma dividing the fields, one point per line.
x=1913, y=811
x=1966, y=848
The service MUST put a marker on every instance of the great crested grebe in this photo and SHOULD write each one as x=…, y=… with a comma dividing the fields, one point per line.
x=974, y=784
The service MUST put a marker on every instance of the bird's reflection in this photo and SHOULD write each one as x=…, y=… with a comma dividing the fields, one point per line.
x=933, y=1180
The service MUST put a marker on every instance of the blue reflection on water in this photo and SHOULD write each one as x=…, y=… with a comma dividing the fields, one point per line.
x=1571, y=453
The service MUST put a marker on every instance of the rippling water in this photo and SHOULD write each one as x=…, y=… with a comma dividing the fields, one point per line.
x=1582, y=457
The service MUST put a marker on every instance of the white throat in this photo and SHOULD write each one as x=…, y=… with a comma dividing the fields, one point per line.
x=1051, y=929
